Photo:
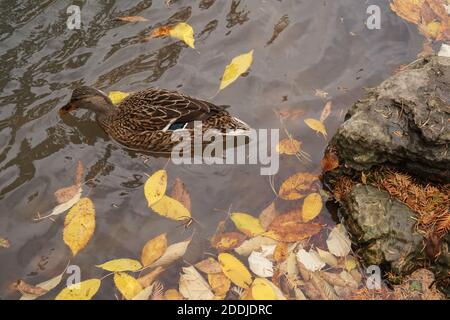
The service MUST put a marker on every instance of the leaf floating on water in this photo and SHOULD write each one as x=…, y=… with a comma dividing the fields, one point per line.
x=118, y=265
x=235, y=270
x=317, y=126
x=289, y=228
x=84, y=290
x=4, y=243
x=155, y=187
x=128, y=286
x=253, y=244
x=149, y=278
x=145, y=293
x=79, y=225
x=63, y=207
x=154, y=249
x=312, y=205
x=171, y=208
x=247, y=224
x=173, y=253
x=180, y=193
x=288, y=146
x=132, y=19
x=117, y=96
x=260, y=265
x=236, y=68
x=296, y=186
x=338, y=241
x=262, y=290
x=326, y=111
x=208, y=266
x=46, y=286
x=181, y=31
x=29, y=290
x=192, y=286
x=227, y=240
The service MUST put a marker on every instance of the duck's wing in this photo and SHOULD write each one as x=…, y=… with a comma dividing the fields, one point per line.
x=157, y=109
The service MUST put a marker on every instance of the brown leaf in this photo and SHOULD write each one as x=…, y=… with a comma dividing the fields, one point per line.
x=289, y=228
x=329, y=162
x=267, y=215
x=24, y=287
x=326, y=111
x=208, y=266
x=132, y=19
x=296, y=186
x=79, y=173
x=150, y=277
x=65, y=194
x=180, y=193
x=161, y=32
x=281, y=252
x=227, y=240
x=288, y=146
x=289, y=113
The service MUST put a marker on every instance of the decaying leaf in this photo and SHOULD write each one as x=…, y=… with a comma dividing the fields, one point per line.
x=329, y=162
x=312, y=205
x=181, y=31
x=247, y=224
x=290, y=228
x=128, y=286
x=84, y=290
x=253, y=244
x=235, y=270
x=236, y=68
x=267, y=215
x=310, y=260
x=219, y=283
x=180, y=194
x=132, y=19
x=192, y=285
x=209, y=265
x=155, y=187
x=338, y=241
x=118, y=265
x=79, y=225
x=227, y=241
x=317, y=126
x=288, y=146
x=297, y=186
x=260, y=265
x=326, y=111
x=153, y=249
x=173, y=252
x=117, y=96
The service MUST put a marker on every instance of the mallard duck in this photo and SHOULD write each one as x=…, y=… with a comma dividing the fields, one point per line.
x=145, y=120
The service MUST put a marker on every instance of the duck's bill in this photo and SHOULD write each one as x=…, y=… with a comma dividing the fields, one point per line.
x=66, y=109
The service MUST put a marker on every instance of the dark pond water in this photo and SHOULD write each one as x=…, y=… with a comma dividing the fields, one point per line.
x=325, y=45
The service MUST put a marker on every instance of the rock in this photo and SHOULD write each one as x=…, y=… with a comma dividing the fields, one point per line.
x=404, y=122
x=384, y=228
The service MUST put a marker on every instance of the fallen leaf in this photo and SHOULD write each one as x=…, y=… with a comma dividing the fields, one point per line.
x=227, y=241
x=290, y=228
x=262, y=290
x=209, y=265
x=117, y=96
x=281, y=252
x=118, y=265
x=267, y=215
x=312, y=205
x=329, y=162
x=296, y=186
x=288, y=146
x=46, y=286
x=4, y=243
x=155, y=187
x=184, y=32
x=79, y=173
x=180, y=194
x=84, y=290
x=66, y=194
x=247, y=224
x=408, y=9
x=192, y=286
x=171, y=208
x=253, y=244
x=153, y=249
x=327, y=257
x=144, y=294
x=326, y=111
x=236, y=68
x=132, y=19
x=79, y=225
x=173, y=294
x=260, y=265
x=311, y=260
x=128, y=286
x=338, y=241
x=147, y=279
x=219, y=283
x=235, y=270
x=28, y=289
x=173, y=252
x=350, y=263
x=63, y=207
x=317, y=126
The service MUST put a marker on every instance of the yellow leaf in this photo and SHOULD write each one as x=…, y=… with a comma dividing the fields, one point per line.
x=316, y=125
x=170, y=208
x=84, y=290
x=235, y=270
x=326, y=111
x=154, y=249
x=433, y=29
x=288, y=146
x=184, y=32
x=117, y=96
x=350, y=263
x=155, y=187
x=236, y=68
x=295, y=187
x=173, y=294
x=408, y=9
x=219, y=283
x=121, y=265
x=247, y=224
x=79, y=225
x=312, y=205
x=128, y=286
x=262, y=290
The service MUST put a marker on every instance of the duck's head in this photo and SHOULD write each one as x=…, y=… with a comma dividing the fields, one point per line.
x=88, y=98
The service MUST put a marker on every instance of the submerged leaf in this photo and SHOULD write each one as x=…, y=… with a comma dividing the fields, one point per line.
x=227, y=241
x=236, y=68
x=312, y=205
x=289, y=228
x=192, y=285
x=296, y=186
x=180, y=194
x=288, y=146
x=154, y=249
x=247, y=224
x=79, y=225
x=173, y=252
